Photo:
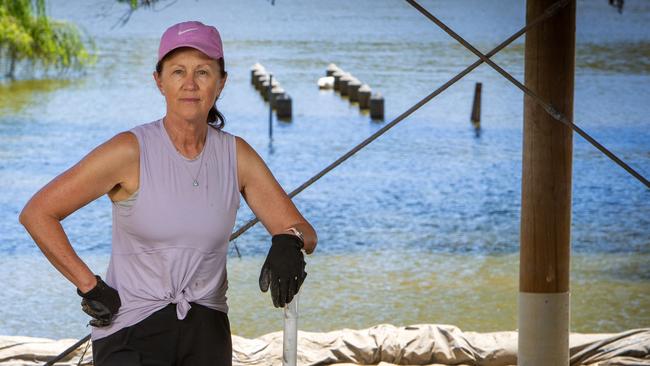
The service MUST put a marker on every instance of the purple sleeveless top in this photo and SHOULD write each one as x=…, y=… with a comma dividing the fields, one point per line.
x=171, y=245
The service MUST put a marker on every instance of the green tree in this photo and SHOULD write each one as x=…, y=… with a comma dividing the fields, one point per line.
x=134, y=5
x=27, y=34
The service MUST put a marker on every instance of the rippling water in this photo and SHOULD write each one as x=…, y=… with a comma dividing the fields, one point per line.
x=421, y=226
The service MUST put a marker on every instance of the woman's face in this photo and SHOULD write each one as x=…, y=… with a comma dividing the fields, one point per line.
x=190, y=82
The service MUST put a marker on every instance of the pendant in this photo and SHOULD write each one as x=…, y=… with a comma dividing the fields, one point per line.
x=195, y=183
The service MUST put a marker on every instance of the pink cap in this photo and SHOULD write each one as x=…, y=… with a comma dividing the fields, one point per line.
x=193, y=34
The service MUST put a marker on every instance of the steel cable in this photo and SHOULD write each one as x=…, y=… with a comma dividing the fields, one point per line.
x=557, y=115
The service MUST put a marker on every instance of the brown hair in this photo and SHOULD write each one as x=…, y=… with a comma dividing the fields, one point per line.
x=213, y=115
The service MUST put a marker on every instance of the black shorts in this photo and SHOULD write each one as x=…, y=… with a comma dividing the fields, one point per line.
x=201, y=339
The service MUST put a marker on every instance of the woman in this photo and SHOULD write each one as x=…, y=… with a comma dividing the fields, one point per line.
x=175, y=186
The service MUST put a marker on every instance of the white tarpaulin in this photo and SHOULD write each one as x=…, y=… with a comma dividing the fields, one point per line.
x=424, y=344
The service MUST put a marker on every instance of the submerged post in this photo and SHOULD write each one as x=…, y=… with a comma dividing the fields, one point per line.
x=290, y=335
x=270, y=107
x=476, y=106
x=544, y=302
x=476, y=110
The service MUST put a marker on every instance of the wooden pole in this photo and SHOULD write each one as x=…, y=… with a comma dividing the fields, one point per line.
x=476, y=105
x=544, y=304
x=476, y=109
x=270, y=107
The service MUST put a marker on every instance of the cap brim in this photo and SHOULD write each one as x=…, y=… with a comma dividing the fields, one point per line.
x=191, y=46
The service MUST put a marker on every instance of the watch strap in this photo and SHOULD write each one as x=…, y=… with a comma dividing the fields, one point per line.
x=297, y=233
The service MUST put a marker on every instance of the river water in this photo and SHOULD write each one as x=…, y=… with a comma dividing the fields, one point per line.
x=421, y=226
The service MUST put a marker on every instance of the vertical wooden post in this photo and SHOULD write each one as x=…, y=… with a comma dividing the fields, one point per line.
x=546, y=190
x=476, y=105
x=270, y=107
x=476, y=109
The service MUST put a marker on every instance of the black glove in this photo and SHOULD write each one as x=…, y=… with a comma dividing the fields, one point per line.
x=102, y=303
x=284, y=269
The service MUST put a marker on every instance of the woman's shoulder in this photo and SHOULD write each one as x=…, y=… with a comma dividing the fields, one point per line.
x=220, y=132
x=146, y=128
x=224, y=138
x=241, y=144
x=246, y=154
x=126, y=142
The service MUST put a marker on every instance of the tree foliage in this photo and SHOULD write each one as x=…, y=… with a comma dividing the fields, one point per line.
x=137, y=3
x=134, y=5
x=28, y=35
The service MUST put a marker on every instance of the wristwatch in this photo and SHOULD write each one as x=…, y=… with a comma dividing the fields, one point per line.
x=297, y=233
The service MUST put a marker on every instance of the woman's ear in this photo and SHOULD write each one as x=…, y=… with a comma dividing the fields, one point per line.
x=156, y=77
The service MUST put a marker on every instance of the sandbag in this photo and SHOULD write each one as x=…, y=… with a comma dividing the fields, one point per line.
x=384, y=345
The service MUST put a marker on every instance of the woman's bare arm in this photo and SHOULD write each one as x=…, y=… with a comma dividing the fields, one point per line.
x=267, y=199
x=95, y=175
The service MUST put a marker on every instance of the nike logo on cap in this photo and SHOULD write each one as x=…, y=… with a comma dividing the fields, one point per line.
x=187, y=30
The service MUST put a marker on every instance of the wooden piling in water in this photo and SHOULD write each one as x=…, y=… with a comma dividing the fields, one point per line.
x=377, y=106
x=283, y=107
x=343, y=84
x=337, y=78
x=260, y=79
x=267, y=86
x=353, y=89
x=256, y=69
x=331, y=68
x=476, y=106
x=363, y=94
x=276, y=92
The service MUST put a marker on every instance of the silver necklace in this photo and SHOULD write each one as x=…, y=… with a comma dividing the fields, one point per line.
x=195, y=181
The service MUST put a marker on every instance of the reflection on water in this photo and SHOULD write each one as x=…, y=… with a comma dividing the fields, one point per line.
x=620, y=57
x=21, y=94
x=609, y=58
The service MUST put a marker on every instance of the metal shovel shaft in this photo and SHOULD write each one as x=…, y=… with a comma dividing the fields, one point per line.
x=290, y=336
